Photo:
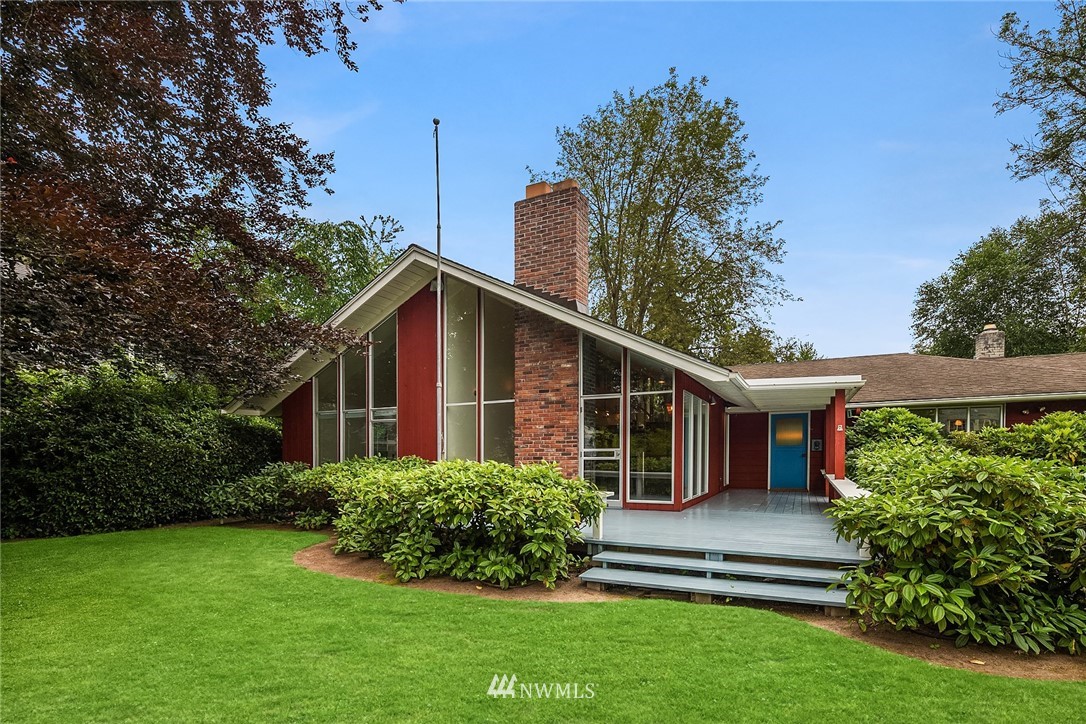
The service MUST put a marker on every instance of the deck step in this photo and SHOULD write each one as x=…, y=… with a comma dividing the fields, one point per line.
x=783, y=592
x=733, y=568
x=751, y=549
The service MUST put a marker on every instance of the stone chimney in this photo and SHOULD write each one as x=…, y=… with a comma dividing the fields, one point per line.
x=550, y=242
x=991, y=343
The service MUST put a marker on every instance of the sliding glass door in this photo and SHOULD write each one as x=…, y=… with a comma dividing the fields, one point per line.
x=695, y=446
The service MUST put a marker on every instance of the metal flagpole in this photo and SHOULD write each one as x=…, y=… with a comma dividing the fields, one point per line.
x=440, y=336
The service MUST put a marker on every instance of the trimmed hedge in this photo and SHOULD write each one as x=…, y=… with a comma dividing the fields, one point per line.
x=472, y=521
x=115, y=450
x=292, y=492
x=888, y=424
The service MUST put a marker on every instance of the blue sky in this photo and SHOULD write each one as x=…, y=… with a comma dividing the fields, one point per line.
x=873, y=121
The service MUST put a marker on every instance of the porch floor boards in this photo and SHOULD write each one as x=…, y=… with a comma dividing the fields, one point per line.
x=789, y=525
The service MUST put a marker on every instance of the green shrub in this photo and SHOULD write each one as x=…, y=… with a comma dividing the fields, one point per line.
x=891, y=424
x=1059, y=436
x=293, y=492
x=971, y=442
x=989, y=549
x=473, y=521
x=117, y=449
x=879, y=467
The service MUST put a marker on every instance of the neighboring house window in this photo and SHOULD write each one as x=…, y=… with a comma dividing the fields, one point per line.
x=499, y=330
x=355, y=401
x=961, y=419
x=601, y=415
x=695, y=446
x=650, y=425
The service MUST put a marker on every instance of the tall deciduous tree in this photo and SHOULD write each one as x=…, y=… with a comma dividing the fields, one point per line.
x=674, y=255
x=1048, y=75
x=1030, y=280
x=131, y=134
x=348, y=256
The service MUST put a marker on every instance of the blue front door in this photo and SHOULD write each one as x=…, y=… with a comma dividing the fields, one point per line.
x=788, y=452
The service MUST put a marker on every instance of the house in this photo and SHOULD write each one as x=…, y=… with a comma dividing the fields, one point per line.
x=528, y=375
x=961, y=394
x=723, y=473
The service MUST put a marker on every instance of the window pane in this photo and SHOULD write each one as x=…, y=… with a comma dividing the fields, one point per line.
x=601, y=367
x=384, y=439
x=460, y=435
x=383, y=356
x=354, y=381
x=498, y=331
x=354, y=435
x=460, y=341
x=498, y=432
x=602, y=421
x=953, y=418
x=326, y=387
x=327, y=438
x=647, y=376
x=650, y=447
x=928, y=412
x=604, y=475
x=982, y=417
x=788, y=431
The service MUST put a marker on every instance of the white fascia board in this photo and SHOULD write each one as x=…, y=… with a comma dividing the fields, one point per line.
x=727, y=383
x=805, y=383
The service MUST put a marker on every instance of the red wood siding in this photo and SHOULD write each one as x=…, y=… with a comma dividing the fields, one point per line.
x=817, y=458
x=749, y=451
x=416, y=376
x=1026, y=412
x=298, y=425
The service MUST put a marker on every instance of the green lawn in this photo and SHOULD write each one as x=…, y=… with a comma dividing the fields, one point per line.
x=218, y=624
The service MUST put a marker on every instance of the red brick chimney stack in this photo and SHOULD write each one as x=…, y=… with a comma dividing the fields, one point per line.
x=550, y=242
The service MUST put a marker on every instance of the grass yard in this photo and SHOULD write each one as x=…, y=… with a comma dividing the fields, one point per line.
x=218, y=624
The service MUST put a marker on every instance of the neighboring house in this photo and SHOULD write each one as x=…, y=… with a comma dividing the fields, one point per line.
x=732, y=464
x=962, y=394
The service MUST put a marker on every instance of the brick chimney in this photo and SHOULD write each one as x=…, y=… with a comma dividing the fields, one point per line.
x=991, y=343
x=550, y=242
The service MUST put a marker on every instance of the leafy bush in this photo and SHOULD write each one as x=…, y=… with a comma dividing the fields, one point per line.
x=117, y=449
x=878, y=467
x=1059, y=436
x=473, y=521
x=294, y=492
x=971, y=442
x=990, y=549
x=891, y=424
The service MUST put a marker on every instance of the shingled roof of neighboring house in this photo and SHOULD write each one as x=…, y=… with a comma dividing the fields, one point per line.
x=908, y=377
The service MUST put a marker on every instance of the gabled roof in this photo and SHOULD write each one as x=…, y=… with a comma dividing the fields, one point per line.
x=416, y=268
x=913, y=378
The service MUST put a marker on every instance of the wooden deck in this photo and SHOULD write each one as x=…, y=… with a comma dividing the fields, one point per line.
x=787, y=525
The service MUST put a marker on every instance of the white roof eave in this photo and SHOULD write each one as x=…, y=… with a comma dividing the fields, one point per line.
x=729, y=385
